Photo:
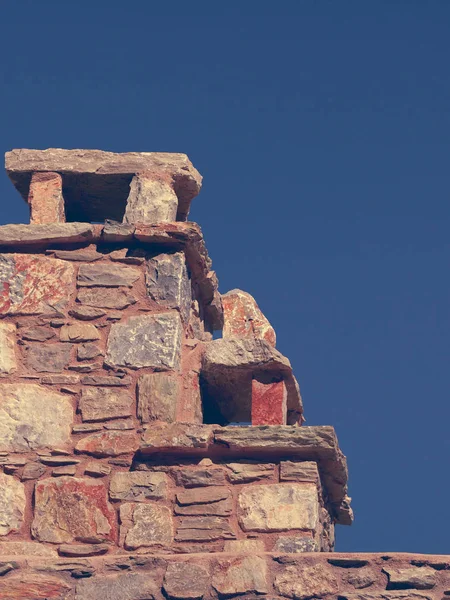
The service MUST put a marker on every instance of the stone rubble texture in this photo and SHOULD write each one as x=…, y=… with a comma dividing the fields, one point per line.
x=128, y=470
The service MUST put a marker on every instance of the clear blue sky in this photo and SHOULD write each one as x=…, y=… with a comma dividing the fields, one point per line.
x=322, y=129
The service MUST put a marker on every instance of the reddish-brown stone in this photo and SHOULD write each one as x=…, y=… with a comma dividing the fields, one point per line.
x=33, y=587
x=243, y=318
x=45, y=198
x=269, y=402
x=109, y=443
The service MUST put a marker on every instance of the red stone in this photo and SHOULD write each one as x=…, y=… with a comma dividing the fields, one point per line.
x=244, y=319
x=33, y=587
x=46, y=199
x=269, y=403
x=109, y=443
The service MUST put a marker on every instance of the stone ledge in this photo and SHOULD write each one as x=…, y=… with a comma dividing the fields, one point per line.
x=246, y=572
x=105, y=176
x=308, y=443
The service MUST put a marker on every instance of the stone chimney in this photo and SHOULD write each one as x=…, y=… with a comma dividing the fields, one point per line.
x=142, y=458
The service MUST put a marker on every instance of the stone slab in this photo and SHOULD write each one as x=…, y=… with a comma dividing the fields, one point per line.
x=138, y=486
x=98, y=404
x=12, y=504
x=19, y=236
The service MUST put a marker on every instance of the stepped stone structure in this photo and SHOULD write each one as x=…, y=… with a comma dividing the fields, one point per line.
x=142, y=456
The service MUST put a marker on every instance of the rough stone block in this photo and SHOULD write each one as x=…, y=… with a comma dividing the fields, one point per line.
x=105, y=298
x=72, y=509
x=32, y=470
x=86, y=313
x=138, y=486
x=49, y=358
x=168, y=282
x=106, y=275
x=241, y=575
x=243, y=318
x=199, y=477
x=419, y=578
x=98, y=404
x=109, y=443
x=214, y=501
x=12, y=504
x=181, y=436
x=23, y=427
x=88, y=351
x=295, y=544
x=303, y=581
x=129, y=586
x=45, y=198
x=186, y=581
x=97, y=469
x=8, y=362
x=34, y=285
x=38, y=334
x=145, y=525
x=34, y=586
x=278, y=507
x=146, y=341
x=45, y=234
x=150, y=200
x=157, y=397
x=79, y=332
x=246, y=472
x=269, y=403
x=10, y=548
x=299, y=471
x=204, y=529
x=76, y=550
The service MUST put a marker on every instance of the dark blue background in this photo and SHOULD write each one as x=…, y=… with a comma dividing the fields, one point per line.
x=322, y=129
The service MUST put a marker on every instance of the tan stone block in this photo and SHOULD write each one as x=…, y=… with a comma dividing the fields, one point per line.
x=109, y=443
x=242, y=575
x=299, y=471
x=157, y=397
x=150, y=200
x=243, y=318
x=278, y=507
x=145, y=525
x=23, y=428
x=45, y=198
x=186, y=581
x=79, y=332
x=98, y=404
x=306, y=581
x=244, y=546
x=8, y=362
x=12, y=504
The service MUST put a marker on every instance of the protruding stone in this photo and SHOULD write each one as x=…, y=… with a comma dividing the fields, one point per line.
x=306, y=470
x=32, y=470
x=98, y=404
x=248, y=471
x=105, y=297
x=77, y=550
x=86, y=313
x=38, y=334
x=79, y=332
x=199, y=477
x=418, y=578
x=97, y=469
x=89, y=254
x=278, y=507
x=106, y=275
x=145, y=525
x=150, y=200
x=109, y=443
x=48, y=358
x=176, y=436
x=23, y=428
x=129, y=586
x=242, y=575
x=214, y=501
x=295, y=544
x=44, y=235
x=269, y=403
x=146, y=341
x=168, y=282
x=45, y=198
x=88, y=351
x=185, y=581
x=157, y=397
x=243, y=318
x=12, y=504
x=33, y=285
x=72, y=509
x=64, y=470
x=204, y=529
x=8, y=362
x=138, y=486
x=117, y=232
x=303, y=581
x=361, y=578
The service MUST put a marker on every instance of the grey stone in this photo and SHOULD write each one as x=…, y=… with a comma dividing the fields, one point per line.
x=105, y=380
x=419, y=578
x=98, y=404
x=87, y=313
x=182, y=436
x=64, y=470
x=8, y=362
x=81, y=255
x=77, y=550
x=199, y=477
x=157, y=397
x=138, y=486
x=32, y=470
x=295, y=544
x=38, y=334
x=106, y=275
x=12, y=504
x=54, y=233
x=145, y=525
x=150, y=200
x=214, y=501
x=186, y=581
x=146, y=341
x=105, y=297
x=23, y=428
x=117, y=232
x=49, y=358
x=88, y=351
x=168, y=282
x=130, y=586
x=361, y=578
